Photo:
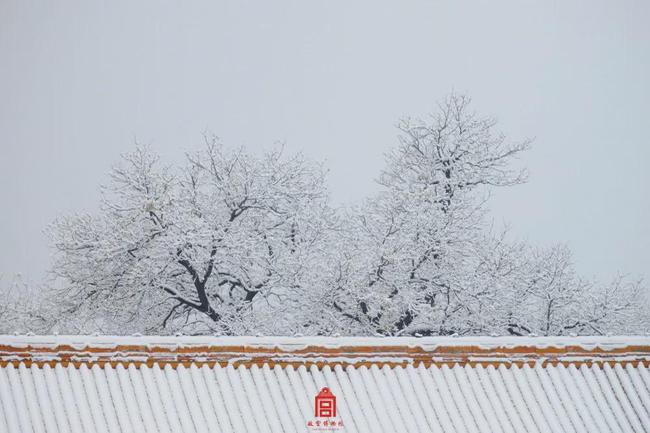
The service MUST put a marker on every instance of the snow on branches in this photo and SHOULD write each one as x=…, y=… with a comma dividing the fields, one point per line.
x=234, y=243
x=197, y=248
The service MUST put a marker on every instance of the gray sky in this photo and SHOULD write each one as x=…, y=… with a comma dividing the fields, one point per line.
x=79, y=81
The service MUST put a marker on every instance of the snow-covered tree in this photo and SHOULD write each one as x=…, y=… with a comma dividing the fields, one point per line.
x=537, y=291
x=233, y=243
x=411, y=244
x=420, y=258
x=25, y=307
x=195, y=249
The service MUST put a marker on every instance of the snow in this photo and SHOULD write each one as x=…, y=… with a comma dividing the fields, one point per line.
x=531, y=403
x=289, y=344
x=452, y=385
x=285, y=408
x=565, y=399
x=290, y=399
x=81, y=400
x=9, y=406
x=470, y=397
x=178, y=398
x=405, y=401
x=93, y=398
x=600, y=399
x=204, y=399
x=587, y=396
x=532, y=380
x=340, y=378
x=417, y=400
x=66, y=391
x=422, y=376
x=633, y=395
x=163, y=391
x=498, y=387
x=378, y=396
x=299, y=391
x=142, y=400
x=206, y=376
x=32, y=401
x=492, y=406
x=190, y=393
x=463, y=399
x=388, y=400
x=226, y=396
x=611, y=378
x=44, y=402
x=56, y=399
x=242, y=403
x=352, y=376
x=129, y=398
x=383, y=417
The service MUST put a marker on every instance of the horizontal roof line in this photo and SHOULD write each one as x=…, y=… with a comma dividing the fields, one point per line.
x=645, y=362
x=185, y=340
x=320, y=351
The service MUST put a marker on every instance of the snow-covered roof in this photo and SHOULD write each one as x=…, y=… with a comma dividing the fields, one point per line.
x=270, y=384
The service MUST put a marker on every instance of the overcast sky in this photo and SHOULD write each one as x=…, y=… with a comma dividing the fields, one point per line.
x=80, y=81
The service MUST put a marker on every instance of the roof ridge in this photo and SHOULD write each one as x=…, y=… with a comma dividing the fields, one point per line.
x=320, y=351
